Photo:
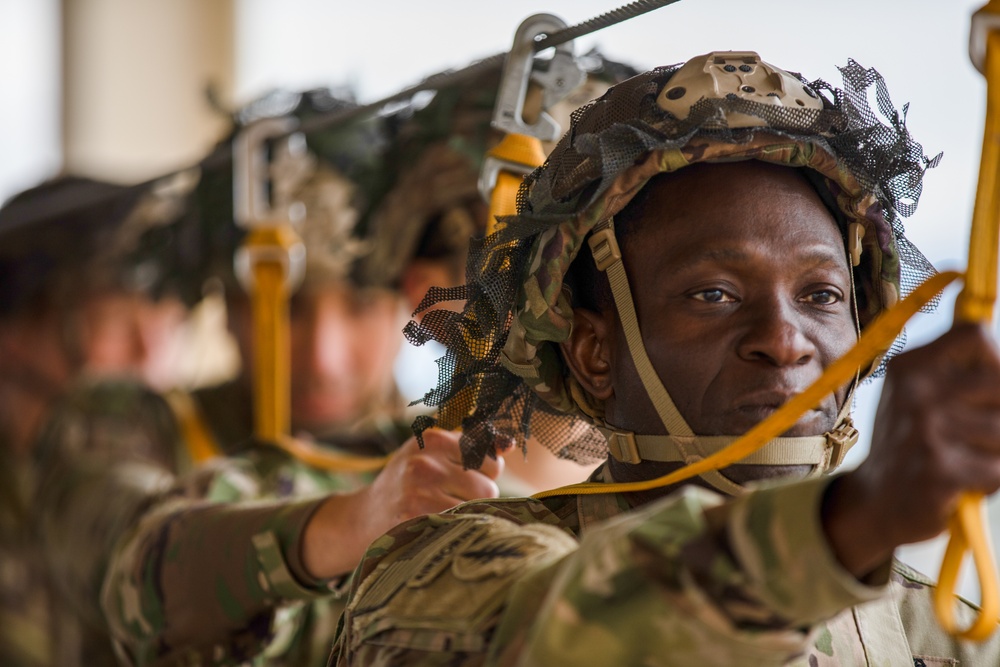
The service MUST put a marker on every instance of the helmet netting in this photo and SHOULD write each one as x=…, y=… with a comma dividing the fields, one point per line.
x=490, y=401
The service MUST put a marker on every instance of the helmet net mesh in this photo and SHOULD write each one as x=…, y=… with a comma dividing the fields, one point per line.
x=493, y=405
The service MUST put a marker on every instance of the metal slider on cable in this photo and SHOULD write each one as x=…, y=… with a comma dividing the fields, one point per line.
x=520, y=150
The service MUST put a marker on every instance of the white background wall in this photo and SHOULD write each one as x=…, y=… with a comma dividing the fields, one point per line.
x=30, y=131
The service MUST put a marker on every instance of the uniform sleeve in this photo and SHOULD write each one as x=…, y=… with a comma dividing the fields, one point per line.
x=691, y=577
x=201, y=582
x=151, y=558
x=102, y=454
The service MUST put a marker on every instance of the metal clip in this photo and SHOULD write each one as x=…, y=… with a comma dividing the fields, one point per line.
x=623, y=446
x=252, y=210
x=561, y=77
x=841, y=439
x=252, y=172
x=558, y=79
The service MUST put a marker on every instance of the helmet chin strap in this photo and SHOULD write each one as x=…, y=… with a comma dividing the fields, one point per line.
x=822, y=452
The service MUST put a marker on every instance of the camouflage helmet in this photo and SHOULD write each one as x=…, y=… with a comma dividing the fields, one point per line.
x=504, y=374
x=323, y=176
x=428, y=204
x=73, y=234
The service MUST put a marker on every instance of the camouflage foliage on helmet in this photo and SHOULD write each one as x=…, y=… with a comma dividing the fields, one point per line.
x=428, y=204
x=325, y=179
x=503, y=364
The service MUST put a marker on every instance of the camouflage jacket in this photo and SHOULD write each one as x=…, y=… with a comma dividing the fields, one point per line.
x=42, y=531
x=692, y=579
x=29, y=635
x=174, y=567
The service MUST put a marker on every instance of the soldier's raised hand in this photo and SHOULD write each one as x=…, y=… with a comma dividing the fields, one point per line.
x=415, y=482
x=937, y=434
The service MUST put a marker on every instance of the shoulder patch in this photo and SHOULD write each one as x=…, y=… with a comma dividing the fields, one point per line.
x=504, y=548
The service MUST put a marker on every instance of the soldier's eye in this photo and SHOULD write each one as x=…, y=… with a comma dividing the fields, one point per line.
x=712, y=296
x=823, y=297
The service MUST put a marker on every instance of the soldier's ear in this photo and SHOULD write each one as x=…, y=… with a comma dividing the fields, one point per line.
x=587, y=352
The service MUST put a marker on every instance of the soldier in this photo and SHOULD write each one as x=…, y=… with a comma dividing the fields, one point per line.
x=189, y=573
x=743, y=226
x=433, y=205
x=72, y=309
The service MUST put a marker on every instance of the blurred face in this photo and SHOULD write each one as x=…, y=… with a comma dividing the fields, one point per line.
x=122, y=333
x=744, y=299
x=344, y=341
x=105, y=333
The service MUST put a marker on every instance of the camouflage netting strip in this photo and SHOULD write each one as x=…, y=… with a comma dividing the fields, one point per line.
x=476, y=393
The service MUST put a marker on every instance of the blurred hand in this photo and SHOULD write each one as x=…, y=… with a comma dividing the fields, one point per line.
x=937, y=434
x=415, y=482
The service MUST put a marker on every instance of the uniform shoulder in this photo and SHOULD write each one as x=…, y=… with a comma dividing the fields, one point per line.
x=109, y=417
x=114, y=396
x=914, y=598
x=439, y=582
x=556, y=511
x=919, y=583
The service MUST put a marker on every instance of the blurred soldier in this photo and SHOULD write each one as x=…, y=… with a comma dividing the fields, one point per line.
x=433, y=205
x=189, y=573
x=71, y=310
x=342, y=394
x=700, y=246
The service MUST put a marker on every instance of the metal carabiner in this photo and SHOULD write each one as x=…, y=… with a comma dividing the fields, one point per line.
x=557, y=80
x=562, y=75
x=253, y=180
x=270, y=263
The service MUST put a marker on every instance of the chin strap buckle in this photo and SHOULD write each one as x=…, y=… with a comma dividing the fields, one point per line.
x=604, y=247
x=840, y=440
x=623, y=446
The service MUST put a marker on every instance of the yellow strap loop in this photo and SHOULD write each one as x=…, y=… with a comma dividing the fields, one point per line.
x=876, y=337
x=270, y=354
x=268, y=251
x=201, y=445
x=968, y=533
x=975, y=304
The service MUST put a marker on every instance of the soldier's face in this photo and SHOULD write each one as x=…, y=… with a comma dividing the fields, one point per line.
x=126, y=333
x=344, y=341
x=742, y=289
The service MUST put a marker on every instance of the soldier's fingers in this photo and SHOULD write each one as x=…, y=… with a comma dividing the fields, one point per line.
x=443, y=444
x=970, y=470
x=470, y=485
x=967, y=347
x=970, y=425
x=432, y=502
x=492, y=467
x=976, y=388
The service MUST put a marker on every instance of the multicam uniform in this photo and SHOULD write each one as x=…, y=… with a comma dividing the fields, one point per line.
x=27, y=620
x=586, y=580
x=57, y=259
x=694, y=578
x=165, y=558
x=173, y=593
